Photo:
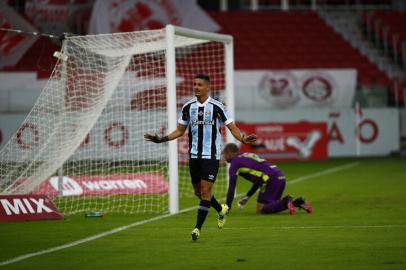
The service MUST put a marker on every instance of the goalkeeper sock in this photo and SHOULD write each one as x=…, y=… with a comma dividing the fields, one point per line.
x=202, y=212
x=215, y=204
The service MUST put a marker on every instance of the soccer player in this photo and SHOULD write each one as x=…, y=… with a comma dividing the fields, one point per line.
x=204, y=116
x=266, y=177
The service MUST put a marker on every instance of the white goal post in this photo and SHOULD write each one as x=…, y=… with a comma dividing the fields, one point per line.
x=227, y=40
x=82, y=143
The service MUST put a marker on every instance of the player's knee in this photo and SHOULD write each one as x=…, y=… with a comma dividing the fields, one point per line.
x=205, y=190
x=205, y=195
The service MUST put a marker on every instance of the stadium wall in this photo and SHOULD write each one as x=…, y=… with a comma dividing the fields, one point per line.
x=403, y=123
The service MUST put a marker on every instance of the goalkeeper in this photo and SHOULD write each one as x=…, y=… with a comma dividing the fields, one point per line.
x=204, y=117
x=266, y=177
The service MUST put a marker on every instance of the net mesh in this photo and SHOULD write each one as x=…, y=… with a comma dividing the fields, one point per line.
x=87, y=126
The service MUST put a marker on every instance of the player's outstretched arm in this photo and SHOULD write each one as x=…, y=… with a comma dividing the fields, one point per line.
x=245, y=139
x=155, y=138
x=179, y=131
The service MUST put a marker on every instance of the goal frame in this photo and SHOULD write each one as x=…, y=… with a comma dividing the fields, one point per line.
x=171, y=32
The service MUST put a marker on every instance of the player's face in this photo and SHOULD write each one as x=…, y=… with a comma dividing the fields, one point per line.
x=201, y=88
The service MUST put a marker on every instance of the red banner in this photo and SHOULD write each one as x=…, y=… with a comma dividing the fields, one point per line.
x=27, y=207
x=288, y=141
x=81, y=185
x=59, y=16
x=12, y=45
x=110, y=16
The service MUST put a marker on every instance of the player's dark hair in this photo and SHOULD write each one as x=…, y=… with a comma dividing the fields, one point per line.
x=202, y=76
x=231, y=148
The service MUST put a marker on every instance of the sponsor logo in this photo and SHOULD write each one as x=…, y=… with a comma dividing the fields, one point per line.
x=319, y=87
x=203, y=122
x=69, y=186
x=80, y=185
x=280, y=88
x=116, y=184
x=27, y=207
x=270, y=129
x=283, y=89
x=24, y=206
x=303, y=140
x=305, y=148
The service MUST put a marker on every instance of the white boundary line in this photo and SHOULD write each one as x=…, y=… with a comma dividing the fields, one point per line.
x=384, y=226
x=119, y=229
x=328, y=171
x=327, y=227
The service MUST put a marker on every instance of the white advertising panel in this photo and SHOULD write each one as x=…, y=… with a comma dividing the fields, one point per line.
x=292, y=89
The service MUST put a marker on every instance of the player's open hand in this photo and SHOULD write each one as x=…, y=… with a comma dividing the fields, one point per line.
x=249, y=139
x=152, y=138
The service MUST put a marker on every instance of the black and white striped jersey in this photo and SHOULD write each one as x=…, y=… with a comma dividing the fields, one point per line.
x=204, y=121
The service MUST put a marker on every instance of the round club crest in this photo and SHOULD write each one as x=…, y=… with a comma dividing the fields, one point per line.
x=280, y=88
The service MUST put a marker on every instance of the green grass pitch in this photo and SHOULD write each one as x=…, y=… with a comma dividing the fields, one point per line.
x=359, y=222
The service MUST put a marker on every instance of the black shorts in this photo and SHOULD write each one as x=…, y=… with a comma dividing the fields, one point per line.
x=201, y=168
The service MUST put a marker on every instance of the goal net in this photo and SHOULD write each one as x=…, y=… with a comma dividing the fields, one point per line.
x=82, y=143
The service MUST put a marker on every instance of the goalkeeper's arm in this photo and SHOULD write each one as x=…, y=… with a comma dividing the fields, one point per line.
x=178, y=132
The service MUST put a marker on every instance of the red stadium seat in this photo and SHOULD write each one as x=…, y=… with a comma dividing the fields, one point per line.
x=299, y=39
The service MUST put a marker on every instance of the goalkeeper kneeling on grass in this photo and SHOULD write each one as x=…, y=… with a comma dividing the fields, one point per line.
x=266, y=177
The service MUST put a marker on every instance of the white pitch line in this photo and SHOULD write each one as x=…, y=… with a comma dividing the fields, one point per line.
x=119, y=229
x=328, y=171
x=327, y=227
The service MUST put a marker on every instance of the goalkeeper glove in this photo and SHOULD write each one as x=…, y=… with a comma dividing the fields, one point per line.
x=155, y=138
x=243, y=201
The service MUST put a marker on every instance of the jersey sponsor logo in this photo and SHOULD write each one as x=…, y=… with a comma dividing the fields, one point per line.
x=203, y=122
